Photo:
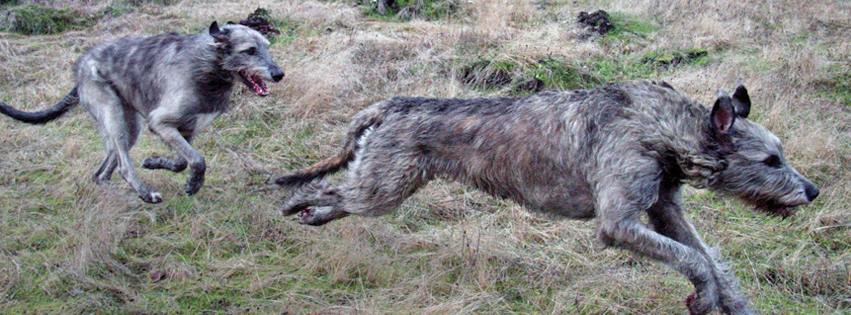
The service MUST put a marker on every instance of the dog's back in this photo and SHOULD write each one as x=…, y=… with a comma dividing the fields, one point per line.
x=144, y=69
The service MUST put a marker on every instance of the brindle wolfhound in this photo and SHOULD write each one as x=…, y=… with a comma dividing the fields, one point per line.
x=612, y=153
x=178, y=84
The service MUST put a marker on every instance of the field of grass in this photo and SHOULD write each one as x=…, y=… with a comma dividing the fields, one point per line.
x=69, y=246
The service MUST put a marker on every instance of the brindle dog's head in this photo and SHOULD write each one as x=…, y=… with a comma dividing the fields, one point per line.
x=245, y=53
x=757, y=170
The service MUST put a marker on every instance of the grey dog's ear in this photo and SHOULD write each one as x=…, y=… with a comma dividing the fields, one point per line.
x=217, y=33
x=742, y=102
x=723, y=115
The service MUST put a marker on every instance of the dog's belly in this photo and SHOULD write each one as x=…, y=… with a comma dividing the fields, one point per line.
x=572, y=200
x=560, y=195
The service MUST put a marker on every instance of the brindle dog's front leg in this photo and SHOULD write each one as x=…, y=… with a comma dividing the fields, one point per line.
x=668, y=219
x=175, y=140
x=620, y=201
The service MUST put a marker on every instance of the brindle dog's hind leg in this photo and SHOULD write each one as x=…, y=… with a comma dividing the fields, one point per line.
x=314, y=194
x=374, y=185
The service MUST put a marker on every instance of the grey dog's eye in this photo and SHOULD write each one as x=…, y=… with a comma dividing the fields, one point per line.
x=773, y=161
x=250, y=51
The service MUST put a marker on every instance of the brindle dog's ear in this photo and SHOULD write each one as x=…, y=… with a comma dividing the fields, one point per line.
x=217, y=33
x=742, y=102
x=723, y=115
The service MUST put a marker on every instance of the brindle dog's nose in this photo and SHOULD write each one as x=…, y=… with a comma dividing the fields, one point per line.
x=811, y=191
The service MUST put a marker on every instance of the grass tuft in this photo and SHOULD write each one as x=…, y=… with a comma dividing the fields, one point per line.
x=404, y=10
x=837, y=86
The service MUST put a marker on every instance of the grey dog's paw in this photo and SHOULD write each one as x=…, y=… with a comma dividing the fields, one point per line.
x=151, y=197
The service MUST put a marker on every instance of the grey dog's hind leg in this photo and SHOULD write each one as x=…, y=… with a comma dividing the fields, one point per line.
x=668, y=219
x=104, y=172
x=110, y=162
x=120, y=129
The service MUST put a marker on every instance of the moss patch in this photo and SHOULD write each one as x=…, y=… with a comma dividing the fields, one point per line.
x=36, y=19
x=674, y=58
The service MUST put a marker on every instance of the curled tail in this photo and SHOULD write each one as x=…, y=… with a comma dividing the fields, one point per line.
x=368, y=118
x=43, y=116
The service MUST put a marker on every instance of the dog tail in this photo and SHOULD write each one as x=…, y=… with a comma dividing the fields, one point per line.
x=42, y=116
x=362, y=122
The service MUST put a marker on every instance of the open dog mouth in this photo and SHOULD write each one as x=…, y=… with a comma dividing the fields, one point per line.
x=254, y=82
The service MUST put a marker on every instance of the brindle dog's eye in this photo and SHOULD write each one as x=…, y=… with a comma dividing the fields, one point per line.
x=773, y=161
x=250, y=51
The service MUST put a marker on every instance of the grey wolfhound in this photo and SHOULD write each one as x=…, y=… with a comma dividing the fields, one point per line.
x=176, y=83
x=612, y=153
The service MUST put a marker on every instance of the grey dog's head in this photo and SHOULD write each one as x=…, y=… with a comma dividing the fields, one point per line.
x=757, y=170
x=245, y=53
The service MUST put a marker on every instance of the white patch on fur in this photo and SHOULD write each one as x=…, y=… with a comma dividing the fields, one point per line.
x=361, y=147
x=156, y=197
x=93, y=67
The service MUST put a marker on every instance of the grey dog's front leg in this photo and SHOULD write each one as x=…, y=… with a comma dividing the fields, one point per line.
x=175, y=140
x=668, y=219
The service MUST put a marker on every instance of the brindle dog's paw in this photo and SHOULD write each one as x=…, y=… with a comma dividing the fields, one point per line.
x=308, y=217
x=319, y=215
x=151, y=197
x=736, y=306
x=699, y=304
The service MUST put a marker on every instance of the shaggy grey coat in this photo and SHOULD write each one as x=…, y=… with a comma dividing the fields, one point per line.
x=612, y=153
x=175, y=84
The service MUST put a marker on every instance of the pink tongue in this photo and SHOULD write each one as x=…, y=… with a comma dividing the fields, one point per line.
x=258, y=86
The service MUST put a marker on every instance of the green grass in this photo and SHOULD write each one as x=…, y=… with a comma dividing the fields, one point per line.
x=69, y=247
x=557, y=74
x=37, y=20
x=625, y=24
x=838, y=85
x=405, y=10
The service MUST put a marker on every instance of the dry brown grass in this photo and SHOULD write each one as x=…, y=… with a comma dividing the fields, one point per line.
x=68, y=246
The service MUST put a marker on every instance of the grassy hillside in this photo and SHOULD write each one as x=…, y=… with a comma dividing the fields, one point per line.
x=68, y=246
